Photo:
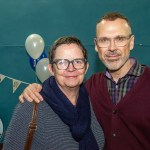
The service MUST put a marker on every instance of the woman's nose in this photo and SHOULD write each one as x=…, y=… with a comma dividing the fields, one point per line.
x=71, y=67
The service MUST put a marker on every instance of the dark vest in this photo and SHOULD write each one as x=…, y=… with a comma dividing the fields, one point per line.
x=126, y=125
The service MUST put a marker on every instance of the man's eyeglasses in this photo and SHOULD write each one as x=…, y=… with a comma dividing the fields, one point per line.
x=120, y=41
x=63, y=64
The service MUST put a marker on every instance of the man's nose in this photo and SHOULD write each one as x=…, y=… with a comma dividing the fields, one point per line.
x=112, y=45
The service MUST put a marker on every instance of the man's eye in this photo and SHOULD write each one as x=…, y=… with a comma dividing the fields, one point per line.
x=103, y=40
x=120, y=39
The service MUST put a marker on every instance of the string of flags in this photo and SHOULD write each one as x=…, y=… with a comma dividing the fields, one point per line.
x=15, y=83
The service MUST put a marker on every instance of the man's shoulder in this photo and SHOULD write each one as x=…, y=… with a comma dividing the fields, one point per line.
x=146, y=69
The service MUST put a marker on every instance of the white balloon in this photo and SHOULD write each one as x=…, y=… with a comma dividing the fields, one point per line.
x=42, y=71
x=34, y=45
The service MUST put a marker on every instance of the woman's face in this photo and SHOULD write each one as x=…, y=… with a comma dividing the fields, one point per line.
x=71, y=77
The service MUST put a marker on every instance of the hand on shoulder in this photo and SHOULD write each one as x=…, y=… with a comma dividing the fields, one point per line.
x=31, y=93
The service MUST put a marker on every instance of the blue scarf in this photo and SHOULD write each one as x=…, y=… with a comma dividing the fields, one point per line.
x=77, y=118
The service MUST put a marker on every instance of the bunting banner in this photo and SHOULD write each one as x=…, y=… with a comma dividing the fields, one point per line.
x=15, y=83
x=2, y=77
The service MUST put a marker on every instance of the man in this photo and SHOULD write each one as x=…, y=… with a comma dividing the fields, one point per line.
x=120, y=96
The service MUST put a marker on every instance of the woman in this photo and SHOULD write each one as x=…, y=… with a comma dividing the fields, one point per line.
x=66, y=120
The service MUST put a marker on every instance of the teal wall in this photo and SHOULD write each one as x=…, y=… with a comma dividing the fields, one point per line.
x=52, y=19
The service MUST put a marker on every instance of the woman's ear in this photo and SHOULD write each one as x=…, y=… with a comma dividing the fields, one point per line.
x=87, y=66
x=50, y=68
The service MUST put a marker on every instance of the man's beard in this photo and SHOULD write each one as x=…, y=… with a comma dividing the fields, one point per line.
x=114, y=65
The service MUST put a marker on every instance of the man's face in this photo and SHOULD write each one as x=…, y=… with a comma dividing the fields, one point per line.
x=116, y=43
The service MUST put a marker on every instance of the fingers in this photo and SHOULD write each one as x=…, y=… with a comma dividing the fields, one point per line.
x=28, y=95
x=21, y=99
x=38, y=87
x=31, y=93
x=38, y=96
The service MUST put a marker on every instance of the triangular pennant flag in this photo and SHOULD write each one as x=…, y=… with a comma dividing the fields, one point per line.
x=2, y=77
x=16, y=84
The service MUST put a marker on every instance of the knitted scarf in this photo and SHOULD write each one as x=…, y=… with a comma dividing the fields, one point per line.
x=78, y=117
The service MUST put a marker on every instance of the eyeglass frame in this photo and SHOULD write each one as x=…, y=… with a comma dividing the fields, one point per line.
x=72, y=62
x=119, y=36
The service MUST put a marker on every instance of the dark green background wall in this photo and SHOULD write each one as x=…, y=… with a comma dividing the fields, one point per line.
x=52, y=19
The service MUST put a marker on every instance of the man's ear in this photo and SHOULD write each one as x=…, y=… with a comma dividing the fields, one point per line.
x=132, y=42
x=50, y=68
x=95, y=46
x=96, y=49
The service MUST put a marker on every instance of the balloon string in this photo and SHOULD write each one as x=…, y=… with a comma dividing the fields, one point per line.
x=34, y=64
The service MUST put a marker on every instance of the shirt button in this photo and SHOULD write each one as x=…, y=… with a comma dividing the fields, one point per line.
x=114, y=111
x=114, y=135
